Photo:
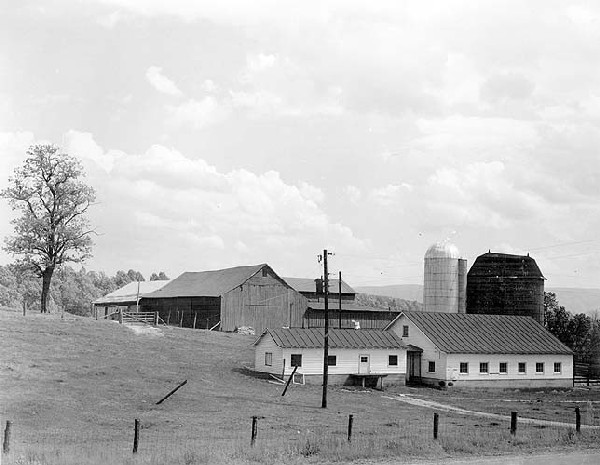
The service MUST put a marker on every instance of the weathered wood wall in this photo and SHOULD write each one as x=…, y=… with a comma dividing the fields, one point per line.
x=263, y=301
x=368, y=320
x=183, y=311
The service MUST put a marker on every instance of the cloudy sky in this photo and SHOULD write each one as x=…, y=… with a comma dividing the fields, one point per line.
x=228, y=133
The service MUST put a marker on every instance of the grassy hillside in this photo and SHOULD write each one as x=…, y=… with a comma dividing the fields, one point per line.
x=72, y=388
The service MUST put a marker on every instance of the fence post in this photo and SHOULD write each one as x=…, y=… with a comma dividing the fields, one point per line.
x=350, y=421
x=254, y=430
x=577, y=420
x=136, y=435
x=513, y=423
x=6, y=443
x=120, y=316
x=436, y=424
x=155, y=318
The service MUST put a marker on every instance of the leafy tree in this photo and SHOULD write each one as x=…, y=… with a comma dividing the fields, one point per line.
x=52, y=229
x=159, y=277
x=556, y=318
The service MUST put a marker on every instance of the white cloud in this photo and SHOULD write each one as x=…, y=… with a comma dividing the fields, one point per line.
x=161, y=83
x=198, y=113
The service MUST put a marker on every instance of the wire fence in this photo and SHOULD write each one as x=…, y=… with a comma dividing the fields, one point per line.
x=335, y=435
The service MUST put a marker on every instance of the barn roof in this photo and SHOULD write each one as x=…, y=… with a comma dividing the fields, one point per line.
x=334, y=306
x=485, y=334
x=308, y=285
x=502, y=265
x=129, y=292
x=206, y=283
x=338, y=338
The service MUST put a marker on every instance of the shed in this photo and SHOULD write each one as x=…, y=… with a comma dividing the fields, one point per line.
x=243, y=296
x=483, y=350
x=353, y=355
x=126, y=297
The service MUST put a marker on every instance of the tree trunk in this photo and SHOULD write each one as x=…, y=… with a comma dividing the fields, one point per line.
x=46, y=277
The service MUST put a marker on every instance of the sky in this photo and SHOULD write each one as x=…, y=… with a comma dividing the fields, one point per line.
x=230, y=133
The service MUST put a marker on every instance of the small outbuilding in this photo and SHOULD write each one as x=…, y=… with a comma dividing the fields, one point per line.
x=355, y=356
x=483, y=350
x=126, y=298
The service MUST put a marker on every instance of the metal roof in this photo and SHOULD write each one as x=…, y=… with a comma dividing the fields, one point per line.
x=502, y=265
x=338, y=338
x=334, y=306
x=485, y=334
x=443, y=249
x=308, y=285
x=129, y=292
x=207, y=283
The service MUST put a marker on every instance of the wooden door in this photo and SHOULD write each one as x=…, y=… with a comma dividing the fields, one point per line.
x=364, y=364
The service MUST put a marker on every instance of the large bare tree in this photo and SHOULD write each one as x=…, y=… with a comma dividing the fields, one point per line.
x=52, y=199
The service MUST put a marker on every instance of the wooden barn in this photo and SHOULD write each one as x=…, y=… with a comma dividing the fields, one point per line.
x=243, y=296
x=125, y=298
x=355, y=356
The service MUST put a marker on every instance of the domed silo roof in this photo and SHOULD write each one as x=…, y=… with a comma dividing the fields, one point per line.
x=442, y=250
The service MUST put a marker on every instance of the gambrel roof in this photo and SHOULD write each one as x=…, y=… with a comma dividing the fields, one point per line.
x=338, y=338
x=207, y=283
x=485, y=334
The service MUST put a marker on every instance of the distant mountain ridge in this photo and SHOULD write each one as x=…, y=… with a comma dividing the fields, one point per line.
x=575, y=300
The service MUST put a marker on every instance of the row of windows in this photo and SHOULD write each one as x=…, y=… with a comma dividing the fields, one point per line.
x=296, y=360
x=484, y=367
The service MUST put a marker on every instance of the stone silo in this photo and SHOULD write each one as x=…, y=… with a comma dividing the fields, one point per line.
x=445, y=281
x=504, y=284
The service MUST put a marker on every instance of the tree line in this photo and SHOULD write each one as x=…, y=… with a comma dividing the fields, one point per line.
x=71, y=290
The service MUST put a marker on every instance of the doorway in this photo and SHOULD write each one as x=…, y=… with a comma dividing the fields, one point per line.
x=364, y=364
x=413, y=369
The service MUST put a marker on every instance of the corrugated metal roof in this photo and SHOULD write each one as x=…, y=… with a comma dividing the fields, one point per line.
x=338, y=338
x=308, y=285
x=486, y=334
x=348, y=307
x=504, y=265
x=129, y=292
x=207, y=283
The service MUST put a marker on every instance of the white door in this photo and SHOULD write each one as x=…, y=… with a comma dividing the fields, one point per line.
x=364, y=364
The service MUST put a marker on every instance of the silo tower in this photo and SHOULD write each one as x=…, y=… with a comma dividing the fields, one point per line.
x=445, y=282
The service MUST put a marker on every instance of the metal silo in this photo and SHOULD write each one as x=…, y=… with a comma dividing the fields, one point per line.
x=445, y=281
x=503, y=284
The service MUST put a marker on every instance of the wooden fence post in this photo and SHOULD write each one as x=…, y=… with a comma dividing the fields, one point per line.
x=136, y=435
x=436, y=424
x=6, y=443
x=577, y=420
x=513, y=423
x=120, y=316
x=155, y=318
x=350, y=421
x=254, y=430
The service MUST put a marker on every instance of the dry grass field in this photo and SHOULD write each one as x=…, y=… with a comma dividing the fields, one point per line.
x=72, y=388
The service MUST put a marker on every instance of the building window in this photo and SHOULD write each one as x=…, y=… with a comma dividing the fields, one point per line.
x=539, y=367
x=405, y=331
x=265, y=273
x=557, y=367
x=296, y=360
x=268, y=359
x=393, y=360
x=364, y=359
x=431, y=368
x=484, y=367
x=522, y=367
x=503, y=367
x=464, y=367
x=331, y=360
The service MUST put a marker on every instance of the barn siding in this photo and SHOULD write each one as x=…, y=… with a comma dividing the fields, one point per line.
x=367, y=320
x=262, y=302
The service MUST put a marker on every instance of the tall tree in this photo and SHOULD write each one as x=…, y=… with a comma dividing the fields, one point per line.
x=53, y=200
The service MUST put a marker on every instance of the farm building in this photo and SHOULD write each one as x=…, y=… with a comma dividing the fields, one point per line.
x=483, y=350
x=125, y=298
x=445, y=279
x=351, y=316
x=503, y=284
x=312, y=289
x=355, y=356
x=243, y=296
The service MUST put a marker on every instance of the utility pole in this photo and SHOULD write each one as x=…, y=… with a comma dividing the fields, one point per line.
x=326, y=335
x=340, y=301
